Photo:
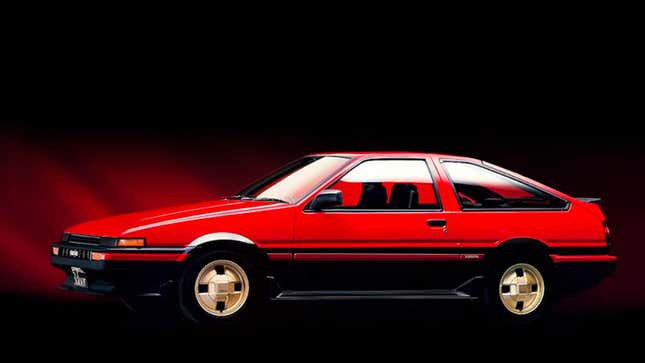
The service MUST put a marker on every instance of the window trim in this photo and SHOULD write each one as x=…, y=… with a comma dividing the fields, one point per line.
x=348, y=210
x=566, y=206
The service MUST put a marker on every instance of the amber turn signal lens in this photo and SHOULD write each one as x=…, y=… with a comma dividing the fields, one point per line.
x=131, y=242
x=55, y=251
x=97, y=256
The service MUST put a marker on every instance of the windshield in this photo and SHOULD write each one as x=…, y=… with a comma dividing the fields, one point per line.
x=292, y=182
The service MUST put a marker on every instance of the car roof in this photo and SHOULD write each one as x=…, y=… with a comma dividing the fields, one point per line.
x=407, y=154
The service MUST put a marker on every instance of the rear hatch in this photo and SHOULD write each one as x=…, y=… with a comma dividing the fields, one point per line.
x=593, y=205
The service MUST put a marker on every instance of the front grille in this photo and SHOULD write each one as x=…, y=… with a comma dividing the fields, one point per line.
x=78, y=253
x=82, y=239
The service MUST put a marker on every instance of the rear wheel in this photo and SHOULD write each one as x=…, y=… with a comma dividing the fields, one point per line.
x=217, y=287
x=519, y=290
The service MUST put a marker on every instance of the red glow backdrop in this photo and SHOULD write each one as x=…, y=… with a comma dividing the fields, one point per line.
x=48, y=186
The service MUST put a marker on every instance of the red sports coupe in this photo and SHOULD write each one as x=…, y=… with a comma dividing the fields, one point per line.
x=351, y=226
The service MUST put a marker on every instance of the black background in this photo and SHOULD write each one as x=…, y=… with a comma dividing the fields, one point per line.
x=559, y=106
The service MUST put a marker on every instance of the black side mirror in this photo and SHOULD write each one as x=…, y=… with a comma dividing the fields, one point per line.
x=327, y=199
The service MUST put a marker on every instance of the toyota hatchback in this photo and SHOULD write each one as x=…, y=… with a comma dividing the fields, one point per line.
x=351, y=226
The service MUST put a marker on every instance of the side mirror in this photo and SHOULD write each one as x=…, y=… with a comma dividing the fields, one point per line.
x=327, y=199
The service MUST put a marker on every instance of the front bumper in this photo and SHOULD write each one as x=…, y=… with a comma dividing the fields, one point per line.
x=123, y=272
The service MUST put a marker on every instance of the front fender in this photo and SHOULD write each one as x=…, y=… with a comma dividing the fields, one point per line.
x=220, y=236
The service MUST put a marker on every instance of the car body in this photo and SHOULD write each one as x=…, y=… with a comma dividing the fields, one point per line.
x=365, y=225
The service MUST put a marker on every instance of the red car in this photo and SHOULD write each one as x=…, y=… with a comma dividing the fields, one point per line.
x=351, y=226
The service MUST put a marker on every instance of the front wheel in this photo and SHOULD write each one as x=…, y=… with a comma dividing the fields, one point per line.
x=518, y=291
x=217, y=287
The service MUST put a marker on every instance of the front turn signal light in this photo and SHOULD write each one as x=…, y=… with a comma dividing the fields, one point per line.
x=131, y=242
x=55, y=251
x=97, y=256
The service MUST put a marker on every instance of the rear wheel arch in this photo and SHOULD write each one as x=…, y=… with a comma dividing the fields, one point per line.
x=518, y=248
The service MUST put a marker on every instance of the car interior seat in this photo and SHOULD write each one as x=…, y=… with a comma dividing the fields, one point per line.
x=404, y=196
x=373, y=196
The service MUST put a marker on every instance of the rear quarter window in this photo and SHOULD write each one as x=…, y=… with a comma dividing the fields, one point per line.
x=481, y=188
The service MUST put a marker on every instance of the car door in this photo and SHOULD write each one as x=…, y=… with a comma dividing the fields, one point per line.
x=389, y=232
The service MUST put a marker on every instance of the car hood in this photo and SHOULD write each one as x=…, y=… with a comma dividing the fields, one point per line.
x=131, y=223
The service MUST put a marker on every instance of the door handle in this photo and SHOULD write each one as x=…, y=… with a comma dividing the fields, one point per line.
x=436, y=222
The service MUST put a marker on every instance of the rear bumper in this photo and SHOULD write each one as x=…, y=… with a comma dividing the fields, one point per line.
x=578, y=272
x=584, y=259
x=124, y=273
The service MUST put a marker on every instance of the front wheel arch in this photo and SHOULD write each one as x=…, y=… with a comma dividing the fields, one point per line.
x=248, y=251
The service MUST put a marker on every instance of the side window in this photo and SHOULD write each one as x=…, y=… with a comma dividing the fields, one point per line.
x=388, y=184
x=480, y=188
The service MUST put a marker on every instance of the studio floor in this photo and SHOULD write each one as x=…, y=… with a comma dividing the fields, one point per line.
x=105, y=326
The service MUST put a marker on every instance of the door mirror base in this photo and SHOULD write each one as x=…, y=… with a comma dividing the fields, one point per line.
x=327, y=199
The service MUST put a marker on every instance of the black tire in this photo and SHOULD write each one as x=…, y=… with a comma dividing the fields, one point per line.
x=496, y=308
x=188, y=304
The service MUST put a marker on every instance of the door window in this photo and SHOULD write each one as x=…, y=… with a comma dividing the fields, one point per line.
x=388, y=184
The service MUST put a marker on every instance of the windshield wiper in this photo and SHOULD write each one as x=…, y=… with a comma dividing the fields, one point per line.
x=248, y=197
x=271, y=200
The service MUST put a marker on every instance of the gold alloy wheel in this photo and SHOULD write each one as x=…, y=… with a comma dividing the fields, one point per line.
x=221, y=288
x=521, y=289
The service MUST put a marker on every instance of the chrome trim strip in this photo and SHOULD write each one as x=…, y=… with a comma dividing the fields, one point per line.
x=220, y=236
